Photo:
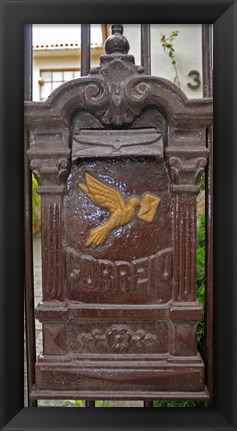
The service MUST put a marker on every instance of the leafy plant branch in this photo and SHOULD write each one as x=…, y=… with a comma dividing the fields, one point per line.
x=167, y=45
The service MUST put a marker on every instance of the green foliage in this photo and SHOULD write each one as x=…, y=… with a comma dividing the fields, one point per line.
x=200, y=273
x=202, y=182
x=201, y=231
x=36, y=207
x=201, y=277
x=167, y=45
x=75, y=403
x=81, y=403
x=103, y=403
x=176, y=404
x=201, y=259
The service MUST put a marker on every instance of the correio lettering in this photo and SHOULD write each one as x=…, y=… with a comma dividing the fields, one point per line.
x=121, y=276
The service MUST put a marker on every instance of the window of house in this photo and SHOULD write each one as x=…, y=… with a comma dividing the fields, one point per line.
x=51, y=79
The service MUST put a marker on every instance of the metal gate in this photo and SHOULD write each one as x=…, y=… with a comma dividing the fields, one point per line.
x=193, y=126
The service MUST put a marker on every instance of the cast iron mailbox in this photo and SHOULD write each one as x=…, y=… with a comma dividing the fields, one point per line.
x=118, y=156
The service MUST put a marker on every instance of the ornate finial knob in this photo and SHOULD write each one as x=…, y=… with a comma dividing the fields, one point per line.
x=117, y=43
x=117, y=28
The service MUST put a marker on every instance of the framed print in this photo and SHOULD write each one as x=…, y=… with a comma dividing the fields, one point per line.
x=14, y=415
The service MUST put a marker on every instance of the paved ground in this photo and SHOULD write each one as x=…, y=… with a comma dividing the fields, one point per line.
x=38, y=328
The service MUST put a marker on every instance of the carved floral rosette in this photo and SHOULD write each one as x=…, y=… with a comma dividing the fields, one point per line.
x=116, y=338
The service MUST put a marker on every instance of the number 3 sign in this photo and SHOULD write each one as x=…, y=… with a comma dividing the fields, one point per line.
x=196, y=78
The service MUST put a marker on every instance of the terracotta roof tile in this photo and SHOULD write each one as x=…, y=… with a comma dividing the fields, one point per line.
x=63, y=46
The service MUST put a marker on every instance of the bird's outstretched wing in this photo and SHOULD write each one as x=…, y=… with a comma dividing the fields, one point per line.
x=102, y=194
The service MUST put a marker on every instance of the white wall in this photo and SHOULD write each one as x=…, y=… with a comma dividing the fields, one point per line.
x=188, y=52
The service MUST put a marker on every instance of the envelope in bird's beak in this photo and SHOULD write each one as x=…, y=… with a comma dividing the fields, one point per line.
x=149, y=205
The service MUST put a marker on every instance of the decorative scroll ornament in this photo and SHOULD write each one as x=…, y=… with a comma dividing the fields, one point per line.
x=121, y=213
x=62, y=166
x=115, y=73
x=186, y=171
x=53, y=172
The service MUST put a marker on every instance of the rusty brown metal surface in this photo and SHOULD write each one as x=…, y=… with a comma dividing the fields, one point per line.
x=29, y=279
x=146, y=47
x=118, y=156
x=148, y=404
x=209, y=270
x=89, y=403
x=207, y=59
x=85, y=49
x=207, y=92
x=136, y=395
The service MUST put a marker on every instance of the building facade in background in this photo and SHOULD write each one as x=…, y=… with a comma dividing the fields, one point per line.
x=56, y=54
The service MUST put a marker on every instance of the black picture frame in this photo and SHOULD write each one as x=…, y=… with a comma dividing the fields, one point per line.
x=14, y=15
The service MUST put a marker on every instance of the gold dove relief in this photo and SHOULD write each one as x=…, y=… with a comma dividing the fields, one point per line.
x=121, y=212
